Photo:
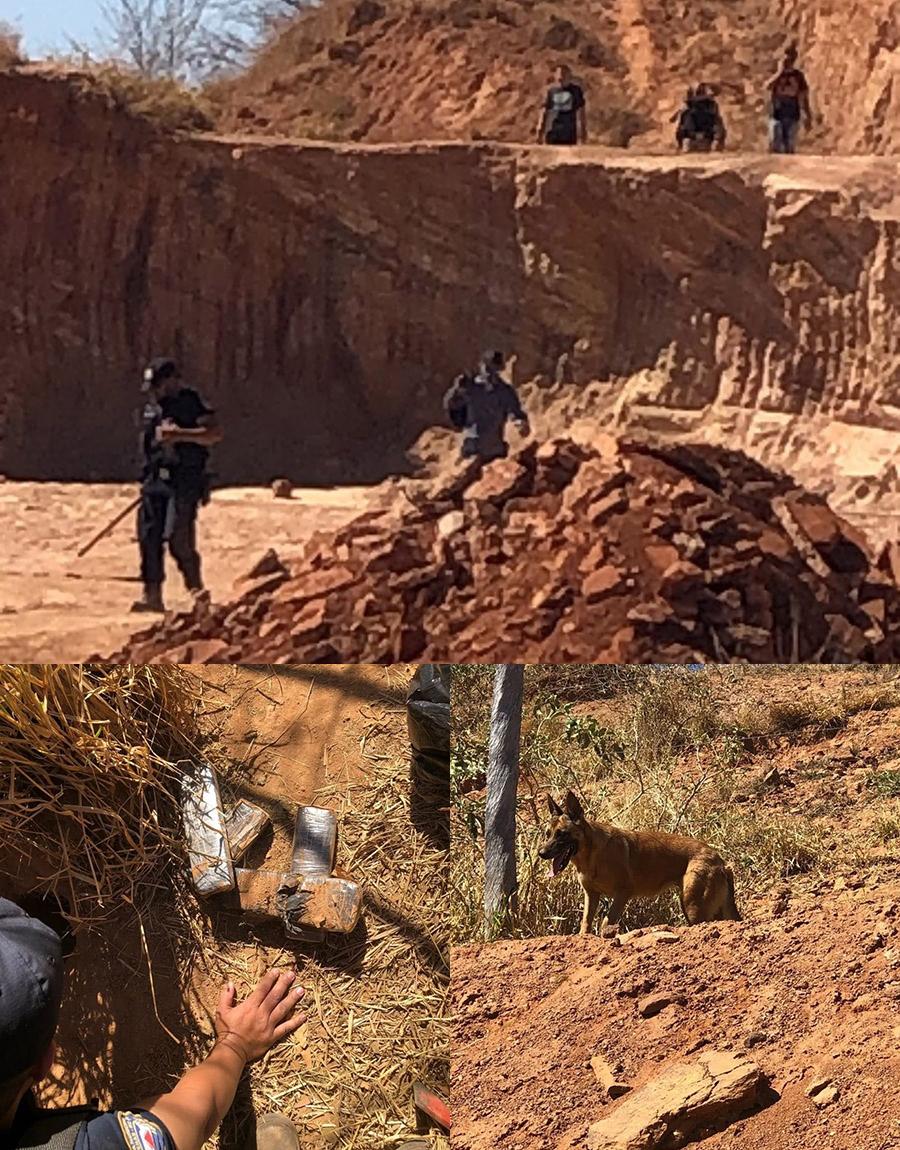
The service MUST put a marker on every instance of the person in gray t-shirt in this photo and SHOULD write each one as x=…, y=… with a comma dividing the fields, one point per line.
x=479, y=406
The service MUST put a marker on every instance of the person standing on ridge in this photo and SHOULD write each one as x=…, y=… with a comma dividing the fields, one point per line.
x=563, y=118
x=178, y=430
x=788, y=104
x=480, y=405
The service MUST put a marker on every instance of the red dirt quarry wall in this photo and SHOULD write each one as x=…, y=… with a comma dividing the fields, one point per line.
x=309, y=291
x=323, y=296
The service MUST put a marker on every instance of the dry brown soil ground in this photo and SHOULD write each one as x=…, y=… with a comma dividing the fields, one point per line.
x=141, y=988
x=57, y=608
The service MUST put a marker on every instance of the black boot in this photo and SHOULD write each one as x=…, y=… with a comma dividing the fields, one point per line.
x=152, y=601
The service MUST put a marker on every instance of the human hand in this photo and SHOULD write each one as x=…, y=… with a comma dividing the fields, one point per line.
x=264, y=1018
x=167, y=432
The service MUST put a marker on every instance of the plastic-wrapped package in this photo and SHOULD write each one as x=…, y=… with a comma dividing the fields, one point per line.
x=428, y=719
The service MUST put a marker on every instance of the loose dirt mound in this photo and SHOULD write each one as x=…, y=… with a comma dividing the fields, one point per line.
x=469, y=69
x=566, y=553
x=807, y=991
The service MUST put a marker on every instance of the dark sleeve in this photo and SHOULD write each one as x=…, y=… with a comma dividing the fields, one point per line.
x=513, y=404
x=548, y=100
x=201, y=407
x=455, y=406
x=801, y=78
x=125, y=1130
x=578, y=95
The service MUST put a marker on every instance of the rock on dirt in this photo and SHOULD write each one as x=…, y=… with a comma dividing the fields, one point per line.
x=567, y=553
x=822, y=1091
x=687, y=1098
x=643, y=939
x=609, y=1078
x=650, y=1006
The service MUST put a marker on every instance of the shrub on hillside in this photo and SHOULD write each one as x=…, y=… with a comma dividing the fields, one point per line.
x=163, y=100
x=11, y=54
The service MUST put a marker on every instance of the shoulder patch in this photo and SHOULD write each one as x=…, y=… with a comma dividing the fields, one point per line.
x=140, y=1132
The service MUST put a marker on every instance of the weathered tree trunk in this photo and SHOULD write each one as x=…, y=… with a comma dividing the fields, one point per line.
x=500, y=884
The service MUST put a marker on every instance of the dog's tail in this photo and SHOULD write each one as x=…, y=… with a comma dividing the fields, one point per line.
x=734, y=912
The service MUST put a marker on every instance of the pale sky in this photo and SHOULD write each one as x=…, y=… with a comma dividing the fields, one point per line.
x=49, y=25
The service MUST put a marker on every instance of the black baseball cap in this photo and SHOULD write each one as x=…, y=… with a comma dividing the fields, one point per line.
x=31, y=983
x=495, y=359
x=158, y=370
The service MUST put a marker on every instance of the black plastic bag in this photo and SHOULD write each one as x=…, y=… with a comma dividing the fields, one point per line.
x=428, y=719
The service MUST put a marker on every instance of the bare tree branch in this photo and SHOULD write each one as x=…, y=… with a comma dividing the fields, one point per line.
x=191, y=39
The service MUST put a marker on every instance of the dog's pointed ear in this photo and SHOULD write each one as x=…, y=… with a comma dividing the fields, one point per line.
x=554, y=807
x=573, y=807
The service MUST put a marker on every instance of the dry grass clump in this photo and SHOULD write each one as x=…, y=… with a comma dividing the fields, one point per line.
x=887, y=825
x=163, y=101
x=11, y=55
x=377, y=998
x=818, y=715
x=90, y=761
x=587, y=681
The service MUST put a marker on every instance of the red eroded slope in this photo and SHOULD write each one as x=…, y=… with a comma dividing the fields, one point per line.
x=469, y=69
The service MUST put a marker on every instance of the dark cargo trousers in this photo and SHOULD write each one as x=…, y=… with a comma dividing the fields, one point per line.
x=169, y=517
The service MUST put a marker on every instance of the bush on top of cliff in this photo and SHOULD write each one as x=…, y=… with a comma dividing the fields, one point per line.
x=11, y=54
x=163, y=100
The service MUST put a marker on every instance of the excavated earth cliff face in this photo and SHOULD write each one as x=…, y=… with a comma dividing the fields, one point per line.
x=476, y=69
x=324, y=295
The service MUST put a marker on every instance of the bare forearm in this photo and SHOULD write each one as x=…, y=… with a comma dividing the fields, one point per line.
x=247, y=1030
x=193, y=1111
x=204, y=436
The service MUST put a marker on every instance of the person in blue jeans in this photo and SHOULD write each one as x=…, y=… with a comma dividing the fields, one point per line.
x=788, y=105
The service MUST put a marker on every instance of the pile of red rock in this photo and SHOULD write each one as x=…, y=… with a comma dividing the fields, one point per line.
x=617, y=552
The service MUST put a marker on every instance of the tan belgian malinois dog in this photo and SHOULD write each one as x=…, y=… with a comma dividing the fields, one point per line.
x=622, y=865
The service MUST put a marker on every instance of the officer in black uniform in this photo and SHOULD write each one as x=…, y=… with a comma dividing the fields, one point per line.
x=179, y=428
x=31, y=982
x=481, y=405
